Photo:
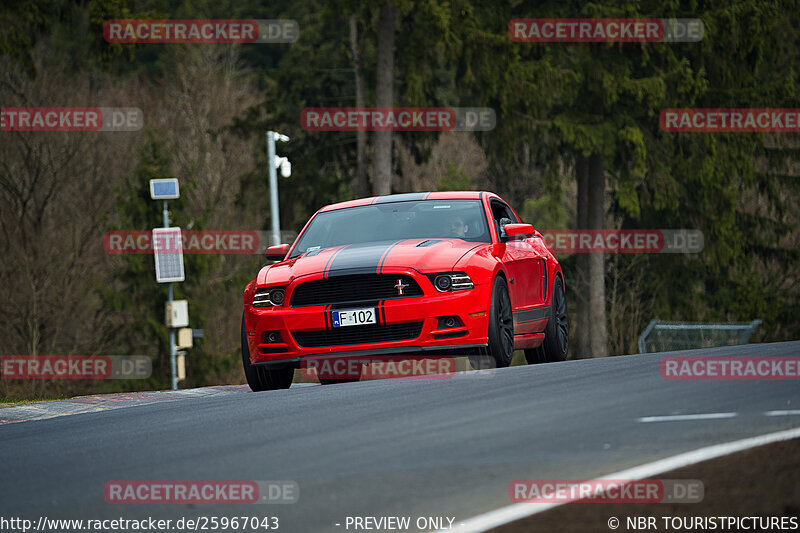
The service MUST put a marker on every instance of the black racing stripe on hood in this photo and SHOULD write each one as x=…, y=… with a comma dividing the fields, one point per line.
x=359, y=257
x=385, y=256
x=326, y=270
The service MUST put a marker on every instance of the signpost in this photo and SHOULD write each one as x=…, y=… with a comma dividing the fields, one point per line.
x=286, y=170
x=165, y=189
x=168, y=254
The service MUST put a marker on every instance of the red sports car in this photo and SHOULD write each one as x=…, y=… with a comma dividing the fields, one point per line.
x=420, y=274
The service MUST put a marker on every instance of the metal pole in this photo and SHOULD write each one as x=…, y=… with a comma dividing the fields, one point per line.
x=172, y=363
x=273, y=189
x=643, y=336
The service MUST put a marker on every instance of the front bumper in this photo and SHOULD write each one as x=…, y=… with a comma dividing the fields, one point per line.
x=401, y=317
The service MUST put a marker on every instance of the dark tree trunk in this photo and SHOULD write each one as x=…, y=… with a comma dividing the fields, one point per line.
x=382, y=176
x=598, y=332
x=362, y=187
x=581, y=282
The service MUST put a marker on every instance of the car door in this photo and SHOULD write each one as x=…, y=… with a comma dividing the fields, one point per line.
x=525, y=267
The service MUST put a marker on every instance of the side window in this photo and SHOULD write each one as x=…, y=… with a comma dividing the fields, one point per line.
x=501, y=211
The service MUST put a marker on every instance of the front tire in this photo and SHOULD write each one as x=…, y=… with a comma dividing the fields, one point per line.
x=556, y=333
x=500, y=347
x=261, y=378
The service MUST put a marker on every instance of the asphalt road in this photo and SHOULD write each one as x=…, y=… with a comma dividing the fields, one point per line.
x=417, y=448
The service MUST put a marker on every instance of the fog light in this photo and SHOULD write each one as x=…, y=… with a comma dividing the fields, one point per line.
x=272, y=337
x=449, y=322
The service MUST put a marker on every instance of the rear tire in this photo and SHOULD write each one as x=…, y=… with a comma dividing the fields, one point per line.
x=556, y=333
x=261, y=378
x=500, y=347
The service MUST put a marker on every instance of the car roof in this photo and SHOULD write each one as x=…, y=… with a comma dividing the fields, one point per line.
x=413, y=196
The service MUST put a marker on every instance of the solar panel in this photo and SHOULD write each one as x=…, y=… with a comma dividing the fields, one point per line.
x=168, y=253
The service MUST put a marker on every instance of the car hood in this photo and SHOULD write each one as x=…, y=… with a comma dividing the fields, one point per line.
x=424, y=255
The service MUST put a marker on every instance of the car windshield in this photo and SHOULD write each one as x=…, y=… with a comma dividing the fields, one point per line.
x=426, y=219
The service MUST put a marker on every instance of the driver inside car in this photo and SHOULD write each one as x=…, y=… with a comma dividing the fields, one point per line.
x=456, y=227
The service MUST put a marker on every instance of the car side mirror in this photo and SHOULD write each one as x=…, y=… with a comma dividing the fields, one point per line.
x=514, y=230
x=502, y=223
x=277, y=252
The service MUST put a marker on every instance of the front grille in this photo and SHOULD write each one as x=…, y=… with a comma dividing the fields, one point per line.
x=349, y=335
x=345, y=289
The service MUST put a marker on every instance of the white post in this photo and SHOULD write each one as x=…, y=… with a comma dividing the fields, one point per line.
x=273, y=189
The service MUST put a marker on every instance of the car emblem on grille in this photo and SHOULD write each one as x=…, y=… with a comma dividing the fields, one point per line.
x=400, y=286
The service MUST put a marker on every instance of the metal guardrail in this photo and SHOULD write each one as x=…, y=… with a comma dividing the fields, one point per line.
x=661, y=336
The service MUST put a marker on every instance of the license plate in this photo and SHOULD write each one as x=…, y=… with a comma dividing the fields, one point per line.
x=353, y=317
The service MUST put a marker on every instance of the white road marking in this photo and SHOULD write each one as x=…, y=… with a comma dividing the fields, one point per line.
x=679, y=418
x=786, y=412
x=517, y=511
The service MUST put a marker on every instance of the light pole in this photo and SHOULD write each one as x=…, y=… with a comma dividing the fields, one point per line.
x=286, y=170
x=172, y=363
x=168, y=255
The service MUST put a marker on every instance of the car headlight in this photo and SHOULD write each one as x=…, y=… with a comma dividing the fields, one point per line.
x=452, y=281
x=443, y=283
x=269, y=297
